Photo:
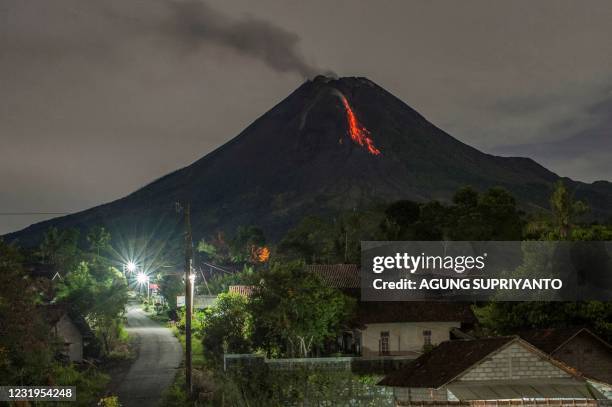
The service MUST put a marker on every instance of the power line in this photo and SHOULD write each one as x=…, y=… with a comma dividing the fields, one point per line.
x=32, y=213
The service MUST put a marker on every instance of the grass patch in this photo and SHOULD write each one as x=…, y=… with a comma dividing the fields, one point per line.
x=197, y=354
x=175, y=395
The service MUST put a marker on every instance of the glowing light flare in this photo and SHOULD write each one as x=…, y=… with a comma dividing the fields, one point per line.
x=130, y=266
x=359, y=134
x=142, y=278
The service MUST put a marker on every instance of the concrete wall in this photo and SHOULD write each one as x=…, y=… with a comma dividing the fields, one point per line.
x=415, y=394
x=405, y=338
x=72, y=338
x=514, y=362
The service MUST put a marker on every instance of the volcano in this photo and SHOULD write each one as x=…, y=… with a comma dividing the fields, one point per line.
x=333, y=144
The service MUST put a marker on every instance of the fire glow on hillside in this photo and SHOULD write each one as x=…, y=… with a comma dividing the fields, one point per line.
x=358, y=133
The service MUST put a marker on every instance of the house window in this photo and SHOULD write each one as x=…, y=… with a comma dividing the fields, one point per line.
x=384, y=343
x=427, y=337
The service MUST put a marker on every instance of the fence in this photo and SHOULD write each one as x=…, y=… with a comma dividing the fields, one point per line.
x=358, y=365
x=308, y=382
x=508, y=403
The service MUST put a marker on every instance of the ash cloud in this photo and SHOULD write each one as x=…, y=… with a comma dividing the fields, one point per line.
x=197, y=22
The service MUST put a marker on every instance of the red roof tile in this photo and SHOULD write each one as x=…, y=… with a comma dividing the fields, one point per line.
x=343, y=276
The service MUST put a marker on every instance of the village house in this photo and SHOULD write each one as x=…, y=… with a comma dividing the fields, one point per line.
x=490, y=371
x=71, y=330
x=389, y=328
x=405, y=328
x=392, y=328
x=580, y=349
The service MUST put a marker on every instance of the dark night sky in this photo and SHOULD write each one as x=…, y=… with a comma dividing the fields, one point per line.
x=98, y=98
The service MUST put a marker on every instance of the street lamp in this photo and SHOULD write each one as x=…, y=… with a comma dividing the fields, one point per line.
x=129, y=267
x=142, y=278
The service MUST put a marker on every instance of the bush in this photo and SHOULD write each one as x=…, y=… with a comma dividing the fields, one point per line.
x=225, y=327
x=175, y=395
x=89, y=383
x=110, y=401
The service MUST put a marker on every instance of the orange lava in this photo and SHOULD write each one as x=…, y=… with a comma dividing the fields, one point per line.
x=358, y=133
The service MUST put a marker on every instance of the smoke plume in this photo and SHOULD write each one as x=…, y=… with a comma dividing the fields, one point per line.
x=260, y=39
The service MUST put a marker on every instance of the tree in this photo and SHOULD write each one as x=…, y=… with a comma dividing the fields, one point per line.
x=170, y=286
x=492, y=215
x=99, y=293
x=247, y=239
x=60, y=248
x=226, y=327
x=295, y=312
x=510, y=317
x=433, y=222
x=310, y=241
x=399, y=221
x=565, y=210
x=26, y=349
x=99, y=239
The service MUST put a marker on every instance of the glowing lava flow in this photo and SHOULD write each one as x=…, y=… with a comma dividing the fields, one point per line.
x=358, y=133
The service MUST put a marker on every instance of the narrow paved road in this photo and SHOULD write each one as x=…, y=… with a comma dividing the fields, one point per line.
x=159, y=356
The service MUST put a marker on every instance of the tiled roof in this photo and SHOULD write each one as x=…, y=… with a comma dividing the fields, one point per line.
x=372, y=312
x=343, y=276
x=550, y=339
x=445, y=362
x=246, y=290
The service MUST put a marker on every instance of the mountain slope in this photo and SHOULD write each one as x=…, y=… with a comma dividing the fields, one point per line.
x=330, y=145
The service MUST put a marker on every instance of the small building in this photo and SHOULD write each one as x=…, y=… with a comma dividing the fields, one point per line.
x=245, y=290
x=578, y=348
x=394, y=328
x=71, y=330
x=407, y=328
x=490, y=371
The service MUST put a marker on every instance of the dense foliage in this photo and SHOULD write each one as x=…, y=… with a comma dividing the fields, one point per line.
x=80, y=282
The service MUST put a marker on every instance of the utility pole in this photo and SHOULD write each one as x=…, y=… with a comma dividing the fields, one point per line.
x=188, y=296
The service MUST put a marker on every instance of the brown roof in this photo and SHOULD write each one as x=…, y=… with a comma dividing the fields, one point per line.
x=551, y=339
x=444, y=363
x=373, y=312
x=36, y=269
x=53, y=313
x=343, y=276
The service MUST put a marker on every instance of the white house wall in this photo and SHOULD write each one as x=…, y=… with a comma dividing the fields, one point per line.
x=66, y=330
x=404, y=337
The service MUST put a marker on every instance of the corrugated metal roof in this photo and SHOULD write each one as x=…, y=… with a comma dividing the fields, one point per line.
x=541, y=388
